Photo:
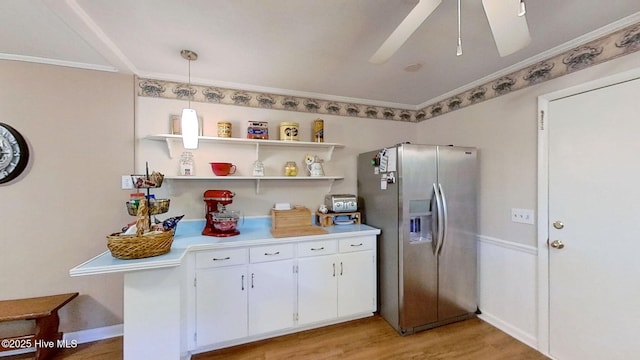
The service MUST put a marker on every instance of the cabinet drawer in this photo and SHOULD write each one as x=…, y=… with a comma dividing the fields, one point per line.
x=270, y=253
x=223, y=257
x=315, y=248
x=360, y=243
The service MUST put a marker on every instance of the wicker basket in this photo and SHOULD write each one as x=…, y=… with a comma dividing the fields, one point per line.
x=138, y=247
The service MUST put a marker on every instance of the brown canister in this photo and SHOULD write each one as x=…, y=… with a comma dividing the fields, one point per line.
x=317, y=134
x=289, y=131
x=224, y=129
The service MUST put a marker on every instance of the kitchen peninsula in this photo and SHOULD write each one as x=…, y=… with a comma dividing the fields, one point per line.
x=212, y=292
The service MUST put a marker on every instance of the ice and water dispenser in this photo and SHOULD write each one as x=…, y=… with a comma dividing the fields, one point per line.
x=420, y=220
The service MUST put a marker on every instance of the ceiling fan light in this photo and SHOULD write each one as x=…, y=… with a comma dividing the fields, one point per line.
x=522, y=9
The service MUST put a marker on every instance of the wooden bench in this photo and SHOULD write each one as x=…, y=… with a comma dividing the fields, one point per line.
x=44, y=310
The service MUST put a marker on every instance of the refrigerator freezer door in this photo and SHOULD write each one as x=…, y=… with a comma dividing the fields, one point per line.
x=418, y=283
x=457, y=260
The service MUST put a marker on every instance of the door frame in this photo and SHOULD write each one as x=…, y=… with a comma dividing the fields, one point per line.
x=543, y=191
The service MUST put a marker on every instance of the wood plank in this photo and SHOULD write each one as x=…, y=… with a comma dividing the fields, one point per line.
x=373, y=338
x=33, y=308
x=367, y=339
x=298, y=231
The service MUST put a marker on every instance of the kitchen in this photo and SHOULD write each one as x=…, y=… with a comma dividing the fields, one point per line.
x=47, y=100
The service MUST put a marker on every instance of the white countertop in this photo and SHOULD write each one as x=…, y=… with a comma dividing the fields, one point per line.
x=254, y=231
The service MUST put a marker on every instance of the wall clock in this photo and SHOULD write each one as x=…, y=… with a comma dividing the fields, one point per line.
x=14, y=153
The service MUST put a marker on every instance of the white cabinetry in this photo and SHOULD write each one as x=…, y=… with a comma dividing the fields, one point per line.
x=271, y=288
x=221, y=295
x=243, y=292
x=335, y=279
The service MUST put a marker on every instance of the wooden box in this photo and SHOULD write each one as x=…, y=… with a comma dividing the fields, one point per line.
x=289, y=219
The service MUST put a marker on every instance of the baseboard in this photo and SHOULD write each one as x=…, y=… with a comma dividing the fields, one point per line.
x=512, y=331
x=91, y=335
x=78, y=337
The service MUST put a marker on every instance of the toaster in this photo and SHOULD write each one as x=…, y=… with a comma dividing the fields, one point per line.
x=341, y=202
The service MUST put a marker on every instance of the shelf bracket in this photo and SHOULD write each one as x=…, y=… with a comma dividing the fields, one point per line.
x=330, y=152
x=257, y=186
x=331, y=181
x=169, y=148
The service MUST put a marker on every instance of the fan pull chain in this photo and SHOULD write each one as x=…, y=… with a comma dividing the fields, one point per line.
x=459, y=48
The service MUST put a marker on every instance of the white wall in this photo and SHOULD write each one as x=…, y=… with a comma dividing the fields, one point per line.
x=79, y=126
x=505, y=131
x=357, y=134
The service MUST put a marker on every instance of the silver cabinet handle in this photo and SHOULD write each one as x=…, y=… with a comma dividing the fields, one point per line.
x=317, y=249
x=334, y=269
x=356, y=245
x=340, y=268
x=221, y=259
x=271, y=254
x=242, y=282
x=252, y=276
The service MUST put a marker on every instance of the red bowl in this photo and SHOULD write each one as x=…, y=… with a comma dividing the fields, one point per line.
x=222, y=168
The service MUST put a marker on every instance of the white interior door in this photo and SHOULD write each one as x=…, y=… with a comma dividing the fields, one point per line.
x=594, y=210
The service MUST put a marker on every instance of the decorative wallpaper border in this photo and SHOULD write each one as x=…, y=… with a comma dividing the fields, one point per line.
x=606, y=48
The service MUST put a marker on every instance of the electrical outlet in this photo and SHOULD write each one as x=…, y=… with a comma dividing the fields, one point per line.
x=127, y=182
x=524, y=216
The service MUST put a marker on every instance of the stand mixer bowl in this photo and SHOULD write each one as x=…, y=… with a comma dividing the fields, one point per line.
x=225, y=222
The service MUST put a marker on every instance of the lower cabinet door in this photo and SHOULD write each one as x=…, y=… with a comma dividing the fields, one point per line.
x=221, y=304
x=271, y=296
x=317, y=289
x=356, y=283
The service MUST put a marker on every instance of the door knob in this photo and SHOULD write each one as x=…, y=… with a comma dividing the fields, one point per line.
x=557, y=244
x=558, y=225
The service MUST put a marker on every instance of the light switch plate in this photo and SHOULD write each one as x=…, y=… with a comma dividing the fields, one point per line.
x=127, y=182
x=524, y=216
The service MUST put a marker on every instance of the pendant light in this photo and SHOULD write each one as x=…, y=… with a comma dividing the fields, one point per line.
x=189, y=120
x=522, y=10
x=459, y=47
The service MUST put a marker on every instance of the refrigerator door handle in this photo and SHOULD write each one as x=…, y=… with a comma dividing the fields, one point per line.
x=445, y=220
x=433, y=206
x=438, y=221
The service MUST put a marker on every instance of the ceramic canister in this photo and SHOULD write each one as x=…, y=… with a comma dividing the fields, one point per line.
x=224, y=129
x=289, y=131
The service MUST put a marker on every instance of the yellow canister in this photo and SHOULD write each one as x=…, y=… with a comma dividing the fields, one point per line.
x=317, y=134
x=289, y=131
x=224, y=129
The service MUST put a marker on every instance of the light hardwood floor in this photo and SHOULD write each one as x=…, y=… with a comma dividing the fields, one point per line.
x=370, y=339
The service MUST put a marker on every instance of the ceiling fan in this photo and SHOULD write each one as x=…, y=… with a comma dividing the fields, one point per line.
x=506, y=19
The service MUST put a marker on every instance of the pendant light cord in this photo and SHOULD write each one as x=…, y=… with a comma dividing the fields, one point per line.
x=190, y=82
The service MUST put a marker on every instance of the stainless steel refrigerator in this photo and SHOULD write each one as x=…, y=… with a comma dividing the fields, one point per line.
x=423, y=198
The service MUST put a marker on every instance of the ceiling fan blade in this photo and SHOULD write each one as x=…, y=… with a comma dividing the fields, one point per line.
x=416, y=17
x=510, y=31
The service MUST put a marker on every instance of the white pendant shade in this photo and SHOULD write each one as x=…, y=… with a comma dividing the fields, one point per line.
x=190, y=129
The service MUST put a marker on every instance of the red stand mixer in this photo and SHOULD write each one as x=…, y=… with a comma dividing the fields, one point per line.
x=220, y=222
